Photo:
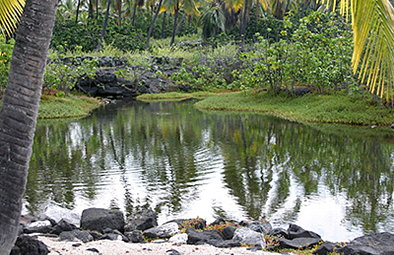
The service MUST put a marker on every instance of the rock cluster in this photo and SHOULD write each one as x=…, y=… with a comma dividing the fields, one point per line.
x=99, y=224
x=118, y=78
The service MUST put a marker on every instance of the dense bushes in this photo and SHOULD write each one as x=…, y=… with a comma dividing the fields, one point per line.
x=126, y=37
x=316, y=56
x=69, y=35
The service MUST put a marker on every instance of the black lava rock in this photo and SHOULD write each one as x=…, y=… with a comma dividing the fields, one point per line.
x=373, y=244
x=99, y=219
x=228, y=232
x=29, y=245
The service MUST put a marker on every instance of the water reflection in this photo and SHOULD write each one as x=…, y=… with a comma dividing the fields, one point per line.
x=188, y=163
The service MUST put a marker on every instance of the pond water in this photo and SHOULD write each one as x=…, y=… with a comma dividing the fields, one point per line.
x=183, y=162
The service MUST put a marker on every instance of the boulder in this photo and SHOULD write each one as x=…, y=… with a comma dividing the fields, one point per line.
x=218, y=221
x=246, y=235
x=58, y=213
x=201, y=224
x=278, y=232
x=113, y=234
x=29, y=245
x=71, y=236
x=62, y=226
x=295, y=231
x=225, y=243
x=261, y=227
x=97, y=219
x=141, y=220
x=135, y=236
x=297, y=243
x=228, y=232
x=206, y=236
x=373, y=244
x=179, y=239
x=326, y=248
x=163, y=231
x=44, y=226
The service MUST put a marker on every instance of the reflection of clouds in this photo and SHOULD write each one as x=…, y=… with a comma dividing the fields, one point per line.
x=212, y=195
x=324, y=213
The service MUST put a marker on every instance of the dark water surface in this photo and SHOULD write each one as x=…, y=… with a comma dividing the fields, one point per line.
x=187, y=163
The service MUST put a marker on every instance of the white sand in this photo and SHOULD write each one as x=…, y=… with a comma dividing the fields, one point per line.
x=107, y=247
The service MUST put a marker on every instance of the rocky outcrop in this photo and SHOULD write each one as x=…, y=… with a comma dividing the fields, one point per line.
x=119, y=78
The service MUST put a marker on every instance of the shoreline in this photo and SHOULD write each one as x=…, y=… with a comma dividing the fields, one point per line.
x=106, y=231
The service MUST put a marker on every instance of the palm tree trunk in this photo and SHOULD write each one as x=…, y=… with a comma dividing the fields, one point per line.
x=104, y=27
x=120, y=11
x=243, y=25
x=152, y=24
x=174, y=27
x=163, y=25
x=180, y=24
x=19, y=112
x=77, y=14
x=134, y=11
x=91, y=11
x=97, y=9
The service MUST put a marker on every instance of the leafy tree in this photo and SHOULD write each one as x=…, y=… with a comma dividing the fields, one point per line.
x=19, y=109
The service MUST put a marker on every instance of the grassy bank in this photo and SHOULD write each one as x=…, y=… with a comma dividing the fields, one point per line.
x=72, y=106
x=310, y=108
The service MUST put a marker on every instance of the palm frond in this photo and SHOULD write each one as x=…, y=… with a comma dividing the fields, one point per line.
x=373, y=54
x=10, y=12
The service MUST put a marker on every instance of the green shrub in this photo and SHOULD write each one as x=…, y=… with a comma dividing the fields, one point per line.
x=61, y=76
x=308, y=58
x=5, y=60
x=69, y=35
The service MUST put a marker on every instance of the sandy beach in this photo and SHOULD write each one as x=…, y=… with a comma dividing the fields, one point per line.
x=107, y=247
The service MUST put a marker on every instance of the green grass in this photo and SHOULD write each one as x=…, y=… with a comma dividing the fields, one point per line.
x=52, y=107
x=310, y=108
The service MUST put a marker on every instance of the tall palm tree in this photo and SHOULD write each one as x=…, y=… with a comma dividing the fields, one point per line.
x=152, y=24
x=105, y=23
x=19, y=110
x=213, y=21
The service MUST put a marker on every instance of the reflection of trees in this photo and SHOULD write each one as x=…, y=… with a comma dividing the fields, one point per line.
x=160, y=140
x=266, y=155
x=168, y=146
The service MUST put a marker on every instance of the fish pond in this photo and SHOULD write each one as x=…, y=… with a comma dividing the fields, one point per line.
x=182, y=162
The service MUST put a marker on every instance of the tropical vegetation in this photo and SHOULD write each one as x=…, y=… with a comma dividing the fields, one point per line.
x=297, y=53
x=289, y=38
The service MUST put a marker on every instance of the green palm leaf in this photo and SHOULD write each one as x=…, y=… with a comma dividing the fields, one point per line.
x=10, y=12
x=373, y=27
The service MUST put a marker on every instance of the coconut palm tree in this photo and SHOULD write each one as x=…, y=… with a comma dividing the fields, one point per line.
x=213, y=21
x=174, y=6
x=152, y=24
x=19, y=109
